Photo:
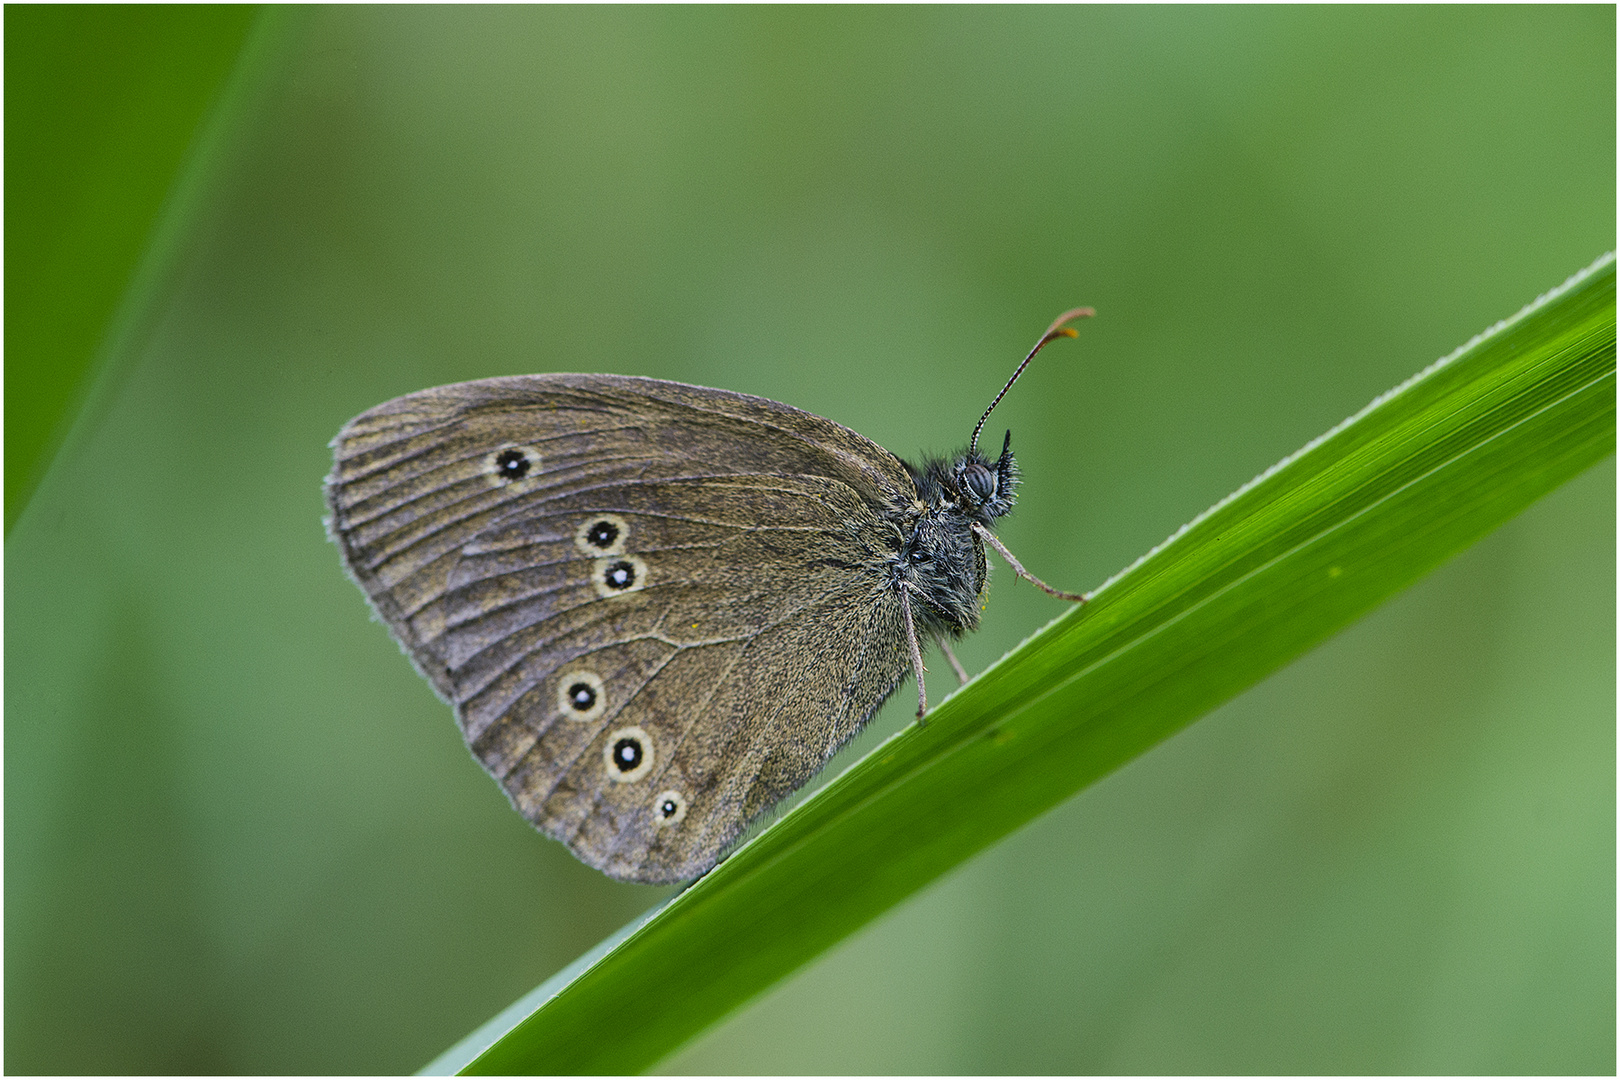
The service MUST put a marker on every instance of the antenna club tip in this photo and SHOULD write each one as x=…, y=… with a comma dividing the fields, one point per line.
x=1056, y=330
x=1069, y=316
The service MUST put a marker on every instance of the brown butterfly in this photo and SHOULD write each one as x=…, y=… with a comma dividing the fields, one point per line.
x=658, y=609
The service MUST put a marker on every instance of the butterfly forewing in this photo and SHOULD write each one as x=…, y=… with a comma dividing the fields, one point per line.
x=657, y=608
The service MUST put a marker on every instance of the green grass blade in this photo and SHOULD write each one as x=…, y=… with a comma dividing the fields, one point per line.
x=103, y=109
x=1308, y=547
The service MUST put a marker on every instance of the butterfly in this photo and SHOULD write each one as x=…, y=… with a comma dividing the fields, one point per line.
x=658, y=609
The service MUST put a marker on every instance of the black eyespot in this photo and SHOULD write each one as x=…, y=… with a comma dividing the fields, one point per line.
x=619, y=575
x=581, y=695
x=602, y=534
x=669, y=808
x=627, y=754
x=511, y=464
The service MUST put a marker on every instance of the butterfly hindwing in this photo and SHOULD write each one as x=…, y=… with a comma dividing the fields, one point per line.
x=730, y=661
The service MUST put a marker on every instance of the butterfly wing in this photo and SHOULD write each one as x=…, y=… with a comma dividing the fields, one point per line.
x=656, y=608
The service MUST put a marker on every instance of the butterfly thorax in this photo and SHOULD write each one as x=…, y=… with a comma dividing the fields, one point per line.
x=941, y=559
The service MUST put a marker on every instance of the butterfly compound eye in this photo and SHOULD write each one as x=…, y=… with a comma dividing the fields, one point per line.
x=628, y=755
x=980, y=481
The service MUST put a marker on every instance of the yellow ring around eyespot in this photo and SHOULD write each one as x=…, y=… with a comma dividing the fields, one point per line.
x=602, y=567
x=582, y=535
x=609, y=755
x=565, y=700
x=670, y=795
x=492, y=470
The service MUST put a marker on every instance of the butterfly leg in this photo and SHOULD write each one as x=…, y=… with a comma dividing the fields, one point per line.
x=916, y=650
x=956, y=665
x=1018, y=568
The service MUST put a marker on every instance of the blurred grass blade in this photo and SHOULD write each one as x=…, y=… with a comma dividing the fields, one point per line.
x=1311, y=545
x=103, y=109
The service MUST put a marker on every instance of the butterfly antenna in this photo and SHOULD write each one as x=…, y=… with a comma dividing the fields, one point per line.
x=1056, y=330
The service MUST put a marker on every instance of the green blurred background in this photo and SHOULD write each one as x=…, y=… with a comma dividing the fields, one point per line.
x=243, y=836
